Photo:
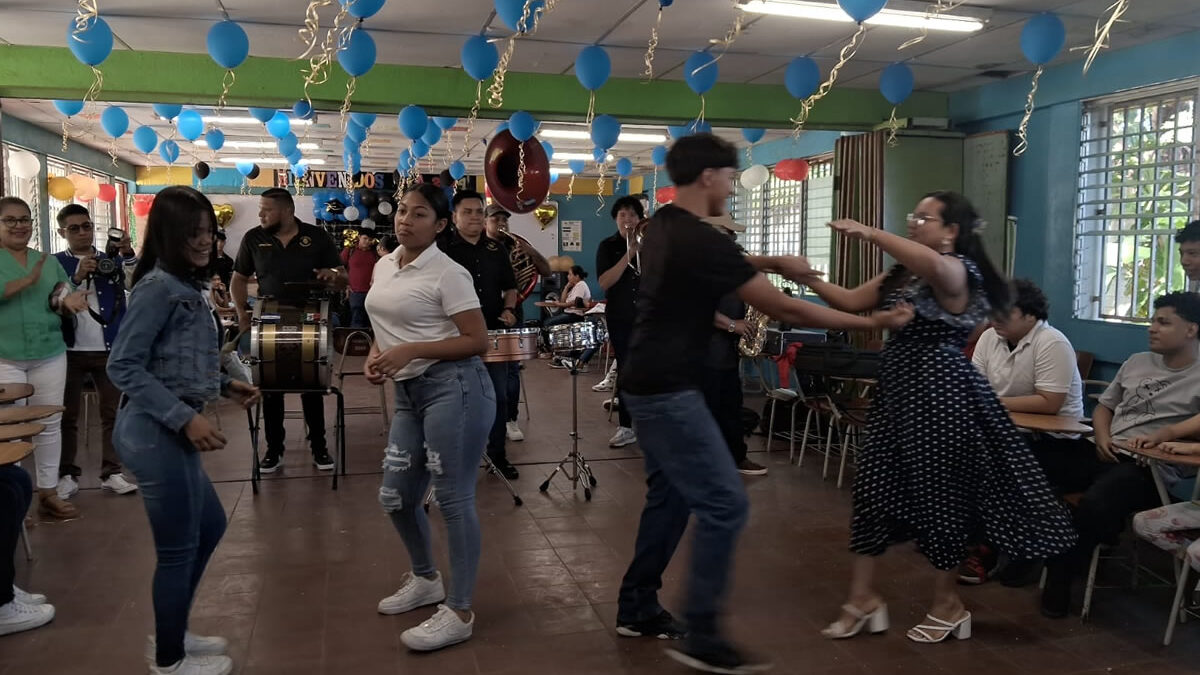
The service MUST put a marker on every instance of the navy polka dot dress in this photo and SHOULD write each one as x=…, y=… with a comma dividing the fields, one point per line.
x=943, y=463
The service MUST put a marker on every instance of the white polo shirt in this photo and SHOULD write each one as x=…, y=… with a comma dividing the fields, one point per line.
x=1043, y=359
x=414, y=303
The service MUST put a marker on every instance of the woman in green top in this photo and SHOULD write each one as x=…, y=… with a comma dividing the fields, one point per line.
x=36, y=293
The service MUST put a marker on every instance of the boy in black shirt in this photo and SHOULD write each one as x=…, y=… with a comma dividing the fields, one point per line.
x=687, y=266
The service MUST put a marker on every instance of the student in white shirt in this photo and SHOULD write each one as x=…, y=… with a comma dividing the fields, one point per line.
x=429, y=333
x=579, y=296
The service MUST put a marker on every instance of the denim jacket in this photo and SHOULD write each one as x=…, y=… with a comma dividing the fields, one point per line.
x=109, y=296
x=166, y=359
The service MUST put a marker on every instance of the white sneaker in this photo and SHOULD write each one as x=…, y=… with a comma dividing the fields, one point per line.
x=609, y=403
x=197, y=665
x=16, y=616
x=117, y=483
x=67, y=487
x=513, y=432
x=193, y=645
x=416, y=592
x=27, y=598
x=603, y=385
x=624, y=436
x=443, y=629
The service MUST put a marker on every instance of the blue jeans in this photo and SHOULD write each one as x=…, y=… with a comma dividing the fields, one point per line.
x=513, y=391
x=438, y=433
x=358, y=310
x=688, y=470
x=186, y=518
x=496, y=438
x=16, y=491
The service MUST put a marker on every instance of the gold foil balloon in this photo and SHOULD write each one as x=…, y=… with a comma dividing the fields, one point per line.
x=349, y=237
x=546, y=213
x=224, y=214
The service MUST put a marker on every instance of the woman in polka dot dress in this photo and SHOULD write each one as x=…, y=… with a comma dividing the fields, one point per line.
x=942, y=461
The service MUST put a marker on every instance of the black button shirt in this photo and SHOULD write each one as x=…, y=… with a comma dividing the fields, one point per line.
x=621, y=298
x=264, y=256
x=490, y=269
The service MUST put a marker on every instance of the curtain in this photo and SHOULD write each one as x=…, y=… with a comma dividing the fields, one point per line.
x=858, y=193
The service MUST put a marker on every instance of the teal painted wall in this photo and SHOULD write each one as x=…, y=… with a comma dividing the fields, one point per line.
x=1043, y=180
x=810, y=144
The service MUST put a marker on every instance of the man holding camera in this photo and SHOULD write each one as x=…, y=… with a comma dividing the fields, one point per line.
x=89, y=336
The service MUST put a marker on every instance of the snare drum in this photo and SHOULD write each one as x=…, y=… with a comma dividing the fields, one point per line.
x=290, y=345
x=518, y=344
x=576, y=336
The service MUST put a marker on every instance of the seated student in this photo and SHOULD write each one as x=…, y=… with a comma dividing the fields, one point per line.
x=19, y=610
x=1152, y=392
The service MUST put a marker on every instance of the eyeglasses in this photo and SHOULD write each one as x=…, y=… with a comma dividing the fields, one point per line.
x=921, y=220
x=82, y=227
x=15, y=222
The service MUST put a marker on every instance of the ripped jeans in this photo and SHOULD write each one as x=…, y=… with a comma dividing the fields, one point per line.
x=438, y=434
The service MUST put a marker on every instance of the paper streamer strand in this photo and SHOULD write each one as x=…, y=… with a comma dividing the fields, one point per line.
x=227, y=82
x=847, y=53
x=311, y=31
x=351, y=84
x=570, y=187
x=466, y=141
x=317, y=72
x=66, y=136
x=652, y=45
x=932, y=12
x=87, y=11
x=600, y=188
x=520, y=169
x=893, y=127
x=527, y=25
x=1104, y=26
x=1022, y=131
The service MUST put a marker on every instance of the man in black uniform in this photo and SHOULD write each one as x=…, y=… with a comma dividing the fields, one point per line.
x=496, y=285
x=616, y=259
x=285, y=250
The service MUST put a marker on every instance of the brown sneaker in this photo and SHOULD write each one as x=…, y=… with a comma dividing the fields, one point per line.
x=53, y=506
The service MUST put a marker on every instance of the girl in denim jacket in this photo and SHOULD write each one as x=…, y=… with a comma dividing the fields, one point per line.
x=166, y=362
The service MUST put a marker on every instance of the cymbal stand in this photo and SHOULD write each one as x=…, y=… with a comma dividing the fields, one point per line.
x=579, y=469
x=488, y=467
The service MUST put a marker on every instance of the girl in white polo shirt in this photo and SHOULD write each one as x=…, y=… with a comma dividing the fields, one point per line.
x=429, y=333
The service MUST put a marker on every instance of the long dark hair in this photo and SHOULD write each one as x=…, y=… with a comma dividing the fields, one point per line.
x=578, y=271
x=177, y=214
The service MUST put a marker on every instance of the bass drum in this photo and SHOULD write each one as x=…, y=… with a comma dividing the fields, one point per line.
x=290, y=346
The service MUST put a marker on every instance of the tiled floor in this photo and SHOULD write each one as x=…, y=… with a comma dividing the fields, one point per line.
x=295, y=582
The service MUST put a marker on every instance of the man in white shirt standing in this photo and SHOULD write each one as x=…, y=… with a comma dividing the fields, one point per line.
x=1188, y=238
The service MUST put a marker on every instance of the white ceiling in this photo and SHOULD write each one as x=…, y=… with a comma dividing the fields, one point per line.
x=431, y=33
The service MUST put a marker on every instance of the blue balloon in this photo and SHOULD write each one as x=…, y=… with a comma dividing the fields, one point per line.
x=353, y=163
x=356, y=133
x=511, y=11
x=288, y=144
x=522, y=125
x=405, y=162
x=861, y=10
x=665, y=3
x=457, y=170
x=93, y=44
x=413, y=121
x=433, y=134
x=677, y=132
x=1043, y=37
x=169, y=151
x=145, y=139
x=553, y=176
x=606, y=130
x=592, y=67
x=419, y=149
x=69, y=108
x=350, y=145
x=362, y=9
x=802, y=77
x=753, y=135
x=896, y=83
x=501, y=127
x=245, y=168
x=279, y=125
x=624, y=167
x=479, y=57
x=114, y=121
x=215, y=139
x=357, y=56
x=167, y=111
x=445, y=123
x=549, y=149
x=228, y=44
x=699, y=127
x=659, y=155
x=294, y=157
x=599, y=154
x=364, y=120
x=302, y=110
x=190, y=124
x=299, y=170
x=262, y=114
x=576, y=165
x=700, y=72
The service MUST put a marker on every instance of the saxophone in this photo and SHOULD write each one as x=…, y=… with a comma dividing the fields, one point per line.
x=752, y=343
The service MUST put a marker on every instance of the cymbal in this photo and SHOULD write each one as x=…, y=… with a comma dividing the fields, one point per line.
x=15, y=432
x=27, y=413
x=15, y=391
x=15, y=451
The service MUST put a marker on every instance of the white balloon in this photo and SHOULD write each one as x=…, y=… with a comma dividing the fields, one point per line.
x=24, y=164
x=367, y=224
x=755, y=176
x=385, y=208
x=351, y=213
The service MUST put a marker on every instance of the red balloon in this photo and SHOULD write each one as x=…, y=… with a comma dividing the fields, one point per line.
x=665, y=195
x=802, y=169
x=791, y=169
x=141, y=205
x=107, y=193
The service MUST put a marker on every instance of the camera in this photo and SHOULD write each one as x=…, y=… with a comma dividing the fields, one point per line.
x=114, y=235
x=106, y=267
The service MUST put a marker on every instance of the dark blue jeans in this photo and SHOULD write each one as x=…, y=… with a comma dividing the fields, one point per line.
x=186, y=518
x=358, y=310
x=496, y=438
x=514, y=391
x=689, y=470
x=16, y=491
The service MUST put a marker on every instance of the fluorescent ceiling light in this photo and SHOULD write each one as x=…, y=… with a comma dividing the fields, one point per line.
x=886, y=17
x=267, y=160
x=256, y=145
x=561, y=170
x=585, y=156
x=242, y=121
x=584, y=136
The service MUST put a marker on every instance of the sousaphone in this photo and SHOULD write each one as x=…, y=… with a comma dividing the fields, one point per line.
x=502, y=168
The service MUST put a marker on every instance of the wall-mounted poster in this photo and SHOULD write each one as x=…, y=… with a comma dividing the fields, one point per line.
x=572, y=235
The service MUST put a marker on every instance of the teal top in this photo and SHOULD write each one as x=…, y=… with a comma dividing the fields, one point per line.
x=30, y=329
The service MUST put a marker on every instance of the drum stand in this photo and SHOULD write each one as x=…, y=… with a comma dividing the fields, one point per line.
x=254, y=417
x=579, y=469
x=488, y=467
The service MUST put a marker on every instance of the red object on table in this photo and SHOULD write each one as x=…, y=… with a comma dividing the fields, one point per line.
x=785, y=361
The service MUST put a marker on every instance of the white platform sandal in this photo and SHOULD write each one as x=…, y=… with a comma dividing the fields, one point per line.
x=960, y=629
x=874, y=622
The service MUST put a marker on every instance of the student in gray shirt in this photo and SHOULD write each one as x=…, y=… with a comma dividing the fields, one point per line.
x=1152, y=391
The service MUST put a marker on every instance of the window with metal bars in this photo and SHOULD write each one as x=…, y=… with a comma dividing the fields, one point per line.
x=104, y=215
x=23, y=188
x=789, y=217
x=1137, y=186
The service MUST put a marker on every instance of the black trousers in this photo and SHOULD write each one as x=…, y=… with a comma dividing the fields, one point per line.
x=722, y=390
x=619, y=335
x=314, y=416
x=16, y=492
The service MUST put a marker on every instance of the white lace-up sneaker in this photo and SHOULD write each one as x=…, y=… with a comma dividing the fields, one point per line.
x=624, y=436
x=443, y=629
x=193, y=645
x=67, y=487
x=116, y=483
x=27, y=598
x=513, y=431
x=197, y=665
x=416, y=592
x=16, y=616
